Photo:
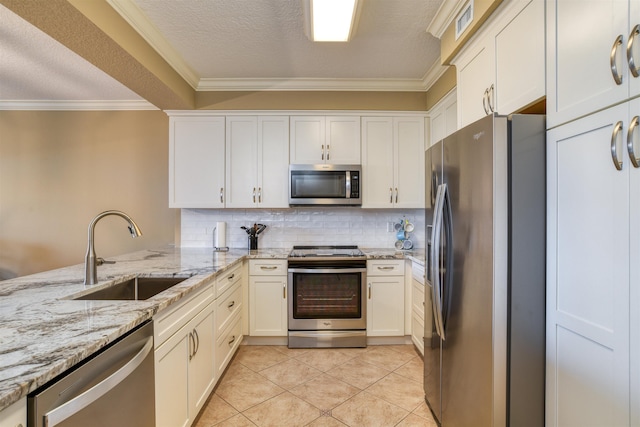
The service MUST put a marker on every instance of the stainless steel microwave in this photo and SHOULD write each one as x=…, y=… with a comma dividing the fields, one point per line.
x=325, y=185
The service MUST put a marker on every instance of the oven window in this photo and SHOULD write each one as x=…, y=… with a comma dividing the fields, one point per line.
x=318, y=184
x=327, y=296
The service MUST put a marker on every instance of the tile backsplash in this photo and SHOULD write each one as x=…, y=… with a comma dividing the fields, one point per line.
x=366, y=228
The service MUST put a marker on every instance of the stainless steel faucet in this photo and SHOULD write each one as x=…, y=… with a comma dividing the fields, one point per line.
x=91, y=263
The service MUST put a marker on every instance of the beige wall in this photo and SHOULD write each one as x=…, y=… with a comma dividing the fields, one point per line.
x=60, y=169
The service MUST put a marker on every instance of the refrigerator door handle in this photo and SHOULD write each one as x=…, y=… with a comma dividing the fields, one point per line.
x=447, y=286
x=435, y=259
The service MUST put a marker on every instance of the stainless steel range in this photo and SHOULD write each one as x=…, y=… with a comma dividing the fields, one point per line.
x=327, y=304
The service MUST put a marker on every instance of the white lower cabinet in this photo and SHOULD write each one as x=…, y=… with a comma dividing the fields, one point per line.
x=593, y=368
x=267, y=297
x=185, y=371
x=385, y=298
x=418, y=306
x=15, y=415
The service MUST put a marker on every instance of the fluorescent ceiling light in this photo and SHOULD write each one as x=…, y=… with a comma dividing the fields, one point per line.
x=333, y=20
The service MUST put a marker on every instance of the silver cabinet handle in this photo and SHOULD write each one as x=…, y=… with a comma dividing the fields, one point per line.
x=284, y=290
x=386, y=268
x=322, y=151
x=614, y=146
x=369, y=290
x=221, y=193
x=632, y=62
x=390, y=195
x=197, y=341
x=491, y=98
x=231, y=305
x=612, y=60
x=231, y=277
x=259, y=194
x=192, y=345
x=327, y=151
x=268, y=267
x=75, y=405
x=396, y=194
x=485, y=99
x=635, y=161
x=233, y=338
x=254, y=194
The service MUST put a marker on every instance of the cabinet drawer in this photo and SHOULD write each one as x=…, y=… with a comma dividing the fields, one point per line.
x=385, y=267
x=174, y=317
x=227, y=306
x=227, y=343
x=228, y=278
x=267, y=267
x=417, y=298
x=417, y=272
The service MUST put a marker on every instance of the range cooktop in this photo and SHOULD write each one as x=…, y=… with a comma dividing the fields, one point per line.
x=326, y=251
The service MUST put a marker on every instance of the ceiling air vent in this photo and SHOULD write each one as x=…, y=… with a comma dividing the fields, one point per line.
x=464, y=19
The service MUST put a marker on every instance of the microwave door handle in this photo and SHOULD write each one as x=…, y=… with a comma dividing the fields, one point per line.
x=347, y=184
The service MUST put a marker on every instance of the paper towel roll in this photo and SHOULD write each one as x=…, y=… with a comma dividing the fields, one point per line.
x=220, y=235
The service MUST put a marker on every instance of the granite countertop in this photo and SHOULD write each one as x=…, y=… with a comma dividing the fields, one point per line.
x=43, y=332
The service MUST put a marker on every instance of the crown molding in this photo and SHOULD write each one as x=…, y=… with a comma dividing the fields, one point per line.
x=139, y=22
x=445, y=16
x=45, y=105
x=306, y=84
x=433, y=74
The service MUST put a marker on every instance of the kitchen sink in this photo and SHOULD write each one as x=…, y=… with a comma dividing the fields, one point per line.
x=138, y=288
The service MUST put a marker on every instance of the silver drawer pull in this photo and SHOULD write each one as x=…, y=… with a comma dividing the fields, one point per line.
x=268, y=267
x=232, y=276
x=232, y=304
x=387, y=268
x=233, y=338
x=612, y=60
x=614, y=146
x=632, y=62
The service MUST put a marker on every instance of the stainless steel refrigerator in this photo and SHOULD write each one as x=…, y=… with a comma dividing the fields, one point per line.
x=484, y=349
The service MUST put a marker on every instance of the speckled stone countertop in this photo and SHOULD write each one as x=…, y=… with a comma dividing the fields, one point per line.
x=43, y=332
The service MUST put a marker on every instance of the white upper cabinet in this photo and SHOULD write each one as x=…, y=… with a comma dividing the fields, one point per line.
x=589, y=56
x=325, y=139
x=443, y=118
x=393, y=162
x=502, y=68
x=196, y=162
x=257, y=159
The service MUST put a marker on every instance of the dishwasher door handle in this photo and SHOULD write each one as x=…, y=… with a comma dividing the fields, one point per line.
x=78, y=403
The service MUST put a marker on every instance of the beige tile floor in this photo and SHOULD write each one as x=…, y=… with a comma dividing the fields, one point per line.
x=377, y=386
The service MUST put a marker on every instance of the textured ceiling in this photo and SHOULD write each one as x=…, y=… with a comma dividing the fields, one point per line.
x=230, y=45
x=265, y=39
x=35, y=67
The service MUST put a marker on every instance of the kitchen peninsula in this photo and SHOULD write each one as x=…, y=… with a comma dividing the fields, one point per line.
x=44, y=332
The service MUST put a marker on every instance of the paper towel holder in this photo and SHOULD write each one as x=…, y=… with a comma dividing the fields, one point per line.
x=217, y=238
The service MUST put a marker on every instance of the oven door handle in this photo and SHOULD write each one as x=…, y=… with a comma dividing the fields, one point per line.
x=327, y=270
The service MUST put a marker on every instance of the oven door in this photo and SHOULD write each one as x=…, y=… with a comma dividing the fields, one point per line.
x=327, y=299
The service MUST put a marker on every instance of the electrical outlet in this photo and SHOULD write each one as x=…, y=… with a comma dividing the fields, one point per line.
x=389, y=226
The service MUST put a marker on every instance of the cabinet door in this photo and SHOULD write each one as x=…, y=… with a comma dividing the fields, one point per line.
x=385, y=306
x=587, y=275
x=634, y=81
x=268, y=306
x=377, y=162
x=242, y=161
x=476, y=89
x=196, y=162
x=520, y=59
x=580, y=39
x=342, y=144
x=202, y=373
x=307, y=139
x=273, y=162
x=409, y=165
x=171, y=378
x=634, y=239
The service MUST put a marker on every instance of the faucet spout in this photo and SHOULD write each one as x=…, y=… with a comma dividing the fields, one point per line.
x=91, y=261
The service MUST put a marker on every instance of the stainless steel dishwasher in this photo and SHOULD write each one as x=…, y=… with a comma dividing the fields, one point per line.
x=115, y=387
